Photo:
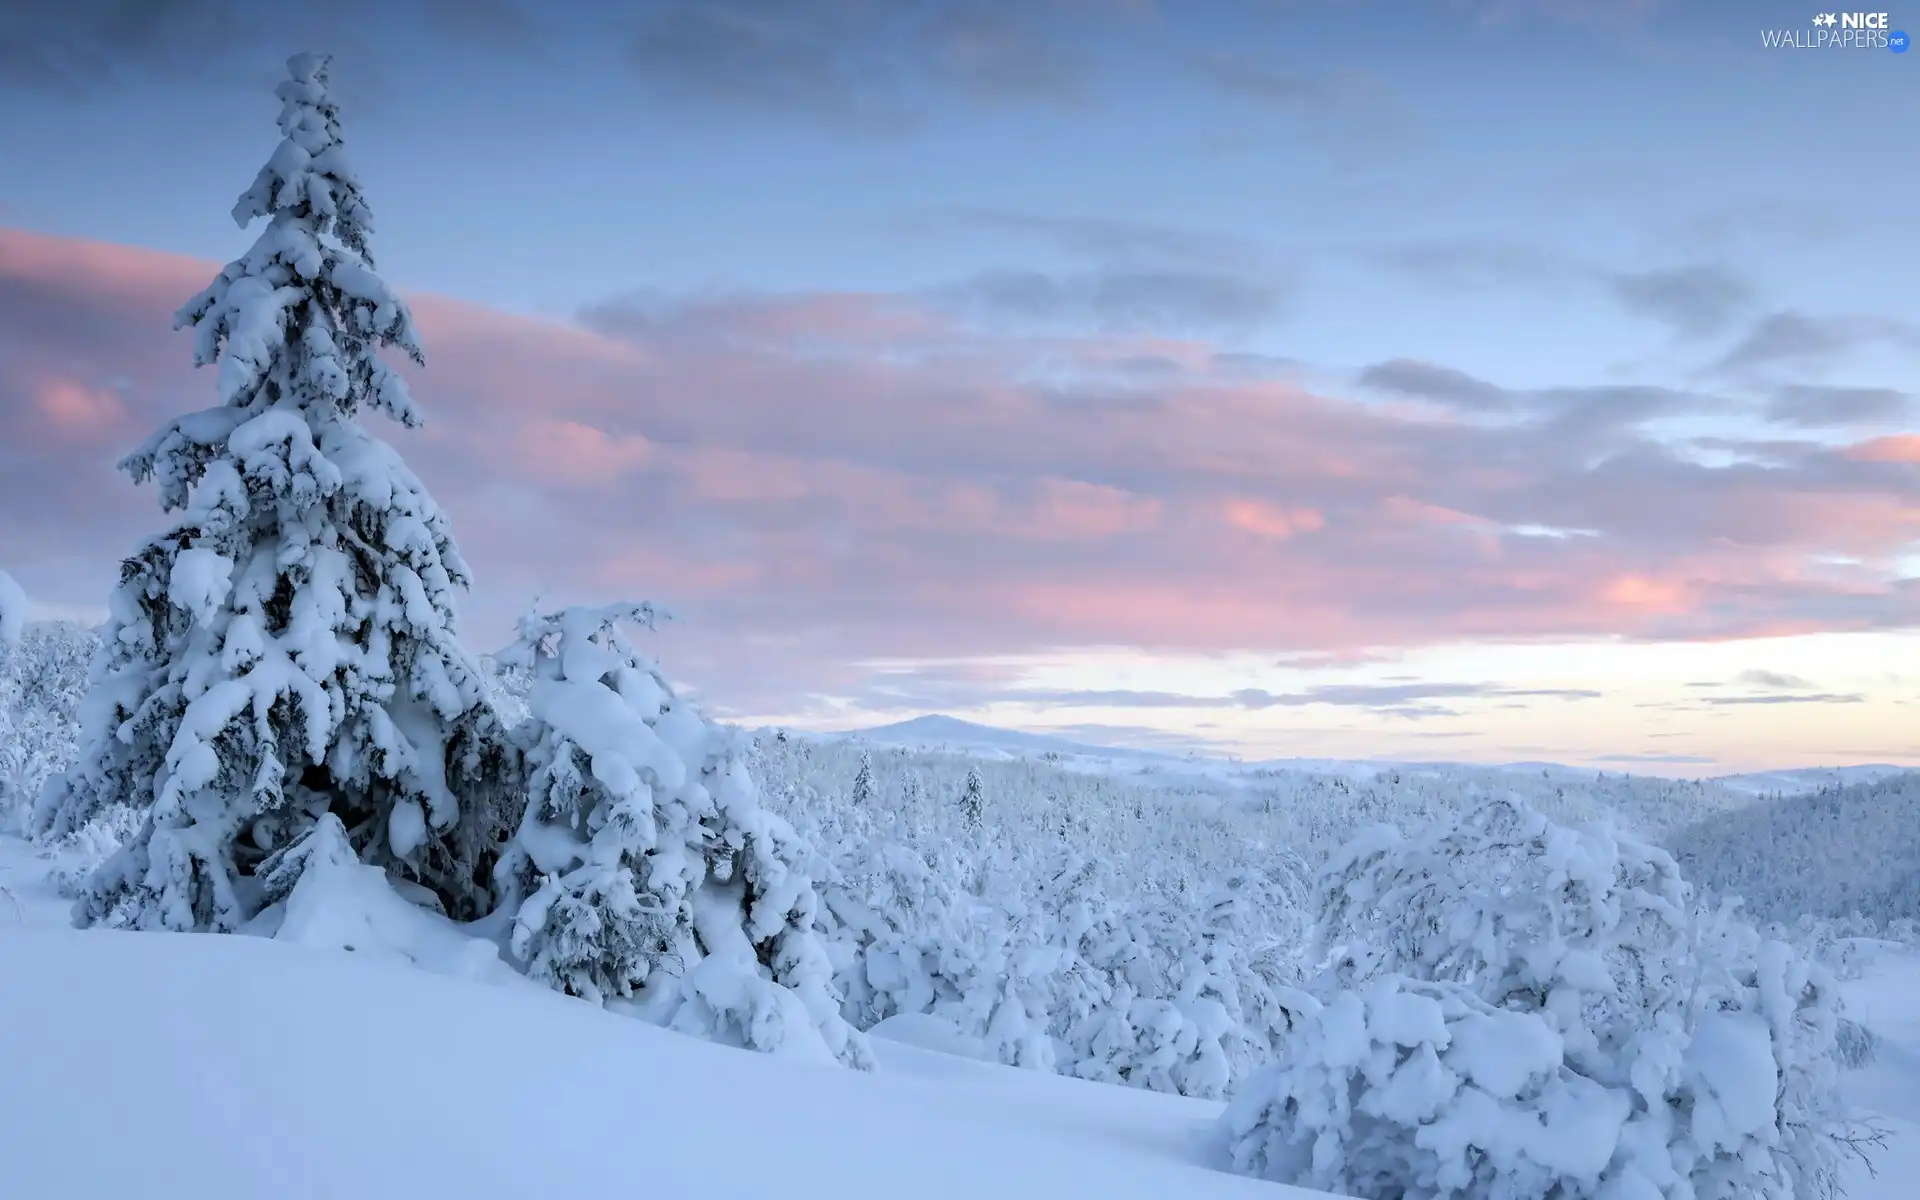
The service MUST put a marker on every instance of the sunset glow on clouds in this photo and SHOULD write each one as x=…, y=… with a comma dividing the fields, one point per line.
x=1117, y=490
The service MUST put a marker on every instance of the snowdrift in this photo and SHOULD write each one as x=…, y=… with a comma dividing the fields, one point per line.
x=170, y=1066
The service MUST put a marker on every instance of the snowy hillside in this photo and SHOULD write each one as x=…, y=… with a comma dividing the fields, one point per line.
x=252, y=1034
x=1308, y=804
x=319, y=1046
x=1807, y=779
x=1843, y=849
x=951, y=734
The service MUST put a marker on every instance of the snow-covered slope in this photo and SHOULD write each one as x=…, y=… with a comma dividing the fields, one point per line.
x=251, y=1068
x=1887, y=1001
x=1824, y=853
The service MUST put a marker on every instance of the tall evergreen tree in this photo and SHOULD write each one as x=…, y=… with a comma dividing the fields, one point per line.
x=287, y=648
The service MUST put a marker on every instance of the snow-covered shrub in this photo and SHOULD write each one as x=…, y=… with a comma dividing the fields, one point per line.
x=1857, y=1045
x=75, y=856
x=644, y=866
x=1414, y=1089
x=1113, y=930
x=907, y=939
x=1032, y=962
x=1527, y=913
x=1516, y=1009
x=1183, y=996
x=43, y=679
x=287, y=648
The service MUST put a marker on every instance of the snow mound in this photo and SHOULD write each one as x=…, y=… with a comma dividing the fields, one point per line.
x=340, y=903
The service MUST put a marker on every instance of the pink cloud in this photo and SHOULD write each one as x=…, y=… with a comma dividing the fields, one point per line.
x=1272, y=521
x=1402, y=508
x=1068, y=508
x=74, y=410
x=563, y=452
x=1651, y=595
x=815, y=481
x=1898, y=448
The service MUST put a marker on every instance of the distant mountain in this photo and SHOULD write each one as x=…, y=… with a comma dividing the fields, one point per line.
x=953, y=733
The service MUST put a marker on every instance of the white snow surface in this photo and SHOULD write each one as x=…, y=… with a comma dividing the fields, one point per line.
x=1887, y=1001
x=520, y=1091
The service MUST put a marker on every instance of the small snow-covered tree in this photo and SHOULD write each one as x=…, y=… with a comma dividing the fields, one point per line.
x=645, y=867
x=863, y=783
x=287, y=648
x=973, y=801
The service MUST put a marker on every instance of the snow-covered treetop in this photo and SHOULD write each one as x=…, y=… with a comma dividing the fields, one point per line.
x=298, y=318
x=308, y=175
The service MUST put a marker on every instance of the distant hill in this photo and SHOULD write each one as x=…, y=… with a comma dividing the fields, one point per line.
x=1808, y=779
x=1829, y=852
x=935, y=732
x=938, y=732
x=953, y=734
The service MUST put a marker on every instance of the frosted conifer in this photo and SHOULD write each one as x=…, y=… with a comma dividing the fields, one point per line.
x=287, y=648
x=649, y=870
x=863, y=783
x=973, y=802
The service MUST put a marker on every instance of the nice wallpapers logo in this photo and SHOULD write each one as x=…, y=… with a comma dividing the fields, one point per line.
x=1839, y=31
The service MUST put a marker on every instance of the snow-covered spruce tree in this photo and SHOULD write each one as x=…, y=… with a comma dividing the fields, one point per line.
x=1522, y=1010
x=645, y=867
x=973, y=801
x=287, y=648
x=863, y=783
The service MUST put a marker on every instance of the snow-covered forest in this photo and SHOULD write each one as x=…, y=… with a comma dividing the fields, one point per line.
x=1394, y=980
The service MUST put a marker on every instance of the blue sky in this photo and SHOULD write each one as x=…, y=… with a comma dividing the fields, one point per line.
x=1627, y=217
